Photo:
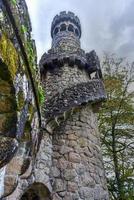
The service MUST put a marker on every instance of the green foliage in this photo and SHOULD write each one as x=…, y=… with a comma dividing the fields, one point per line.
x=116, y=123
x=41, y=94
x=23, y=29
x=14, y=2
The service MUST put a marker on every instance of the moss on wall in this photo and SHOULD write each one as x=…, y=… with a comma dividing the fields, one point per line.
x=9, y=55
x=20, y=100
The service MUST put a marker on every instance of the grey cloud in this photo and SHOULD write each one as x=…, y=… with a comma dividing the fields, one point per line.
x=107, y=24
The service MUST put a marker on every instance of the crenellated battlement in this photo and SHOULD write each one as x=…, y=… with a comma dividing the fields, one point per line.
x=65, y=17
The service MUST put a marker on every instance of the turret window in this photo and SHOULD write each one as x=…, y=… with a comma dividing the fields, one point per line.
x=76, y=32
x=63, y=27
x=56, y=30
x=70, y=28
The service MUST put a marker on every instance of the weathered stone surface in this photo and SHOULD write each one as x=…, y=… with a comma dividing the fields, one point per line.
x=74, y=157
x=8, y=124
x=72, y=187
x=5, y=88
x=10, y=184
x=59, y=185
x=55, y=172
x=62, y=163
x=15, y=165
x=65, y=158
x=70, y=174
x=56, y=197
x=65, y=149
x=91, y=91
x=8, y=148
x=82, y=170
x=87, y=193
x=72, y=136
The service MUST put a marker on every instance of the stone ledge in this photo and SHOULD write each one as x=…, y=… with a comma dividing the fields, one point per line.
x=92, y=91
x=57, y=58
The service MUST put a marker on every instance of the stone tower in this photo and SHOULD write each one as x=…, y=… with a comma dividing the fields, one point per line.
x=74, y=89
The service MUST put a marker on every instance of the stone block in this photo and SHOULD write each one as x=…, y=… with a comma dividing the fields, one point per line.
x=74, y=157
x=10, y=184
x=72, y=186
x=55, y=172
x=59, y=185
x=70, y=174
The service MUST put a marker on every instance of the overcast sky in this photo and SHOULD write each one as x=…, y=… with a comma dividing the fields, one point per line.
x=107, y=25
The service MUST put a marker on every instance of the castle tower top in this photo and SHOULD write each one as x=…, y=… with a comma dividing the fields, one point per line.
x=66, y=31
x=66, y=22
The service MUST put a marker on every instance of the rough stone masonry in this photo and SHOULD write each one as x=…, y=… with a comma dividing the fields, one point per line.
x=55, y=155
x=72, y=81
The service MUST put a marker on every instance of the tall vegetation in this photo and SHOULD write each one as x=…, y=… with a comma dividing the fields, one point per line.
x=116, y=123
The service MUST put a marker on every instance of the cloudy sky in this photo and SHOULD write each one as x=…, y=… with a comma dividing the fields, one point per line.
x=107, y=25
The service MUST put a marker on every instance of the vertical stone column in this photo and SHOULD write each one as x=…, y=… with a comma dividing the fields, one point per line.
x=72, y=81
x=77, y=161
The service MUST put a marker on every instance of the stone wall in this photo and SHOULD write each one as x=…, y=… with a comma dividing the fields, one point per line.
x=77, y=170
x=61, y=78
x=19, y=112
x=77, y=161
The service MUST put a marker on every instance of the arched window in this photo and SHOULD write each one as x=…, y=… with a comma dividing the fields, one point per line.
x=56, y=30
x=76, y=32
x=70, y=28
x=63, y=27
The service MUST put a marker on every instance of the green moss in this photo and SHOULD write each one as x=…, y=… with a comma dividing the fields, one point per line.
x=9, y=55
x=5, y=88
x=20, y=100
x=41, y=94
x=27, y=132
x=4, y=72
x=14, y=2
x=7, y=104
x=31, y=112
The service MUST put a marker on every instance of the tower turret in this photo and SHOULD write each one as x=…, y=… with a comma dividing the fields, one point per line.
x=73, y=85
x=66, y=31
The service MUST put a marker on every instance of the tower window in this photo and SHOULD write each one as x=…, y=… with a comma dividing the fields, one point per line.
x=56, y=30
x=63, y=27
x=71, y=28
x=76, y=32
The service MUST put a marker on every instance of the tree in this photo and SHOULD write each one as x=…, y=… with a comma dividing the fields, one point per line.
x=116, y=124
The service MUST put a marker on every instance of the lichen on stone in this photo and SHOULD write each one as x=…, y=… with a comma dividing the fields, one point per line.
x=9, y=55
x=21, y=100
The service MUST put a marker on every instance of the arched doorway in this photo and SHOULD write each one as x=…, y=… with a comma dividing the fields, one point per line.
x=36, y=192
